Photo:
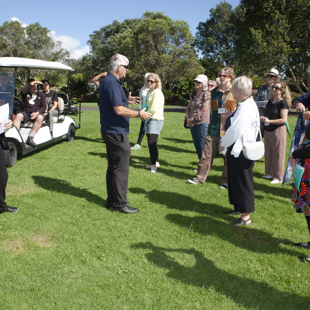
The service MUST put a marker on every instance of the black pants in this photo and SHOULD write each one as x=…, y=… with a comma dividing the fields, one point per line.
x=153, y=149
x=118, y=151
x=240, y=182
x=3, y=181
x=141, y=132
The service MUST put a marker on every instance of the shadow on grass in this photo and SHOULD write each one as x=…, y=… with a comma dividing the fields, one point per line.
x=176, y=140
x=174, y=149
x=205, y=274
x=97, y=140
x=101, y=154
x=64, y=187
x=247, y=238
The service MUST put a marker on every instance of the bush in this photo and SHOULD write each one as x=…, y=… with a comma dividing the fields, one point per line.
x=256, y=81
x=176, y=100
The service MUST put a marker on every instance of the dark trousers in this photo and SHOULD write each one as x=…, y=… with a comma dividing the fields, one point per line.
x=153, y=148
x=118, y=151
x=240, y=182
x=3, y=181
x=141, y=133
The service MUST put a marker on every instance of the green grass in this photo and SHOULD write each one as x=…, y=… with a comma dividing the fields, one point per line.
x=65, y=250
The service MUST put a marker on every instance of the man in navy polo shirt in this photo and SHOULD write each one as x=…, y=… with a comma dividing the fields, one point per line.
x=114, y=120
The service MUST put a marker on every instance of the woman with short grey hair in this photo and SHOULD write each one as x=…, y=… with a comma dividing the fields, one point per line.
x=241, y=127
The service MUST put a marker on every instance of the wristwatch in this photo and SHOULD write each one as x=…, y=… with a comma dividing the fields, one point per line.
x=138, y=116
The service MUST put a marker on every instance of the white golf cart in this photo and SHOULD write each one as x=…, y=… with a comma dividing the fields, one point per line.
x=64, y=126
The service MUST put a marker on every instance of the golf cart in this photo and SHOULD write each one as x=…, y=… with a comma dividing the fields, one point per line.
x=64, y=126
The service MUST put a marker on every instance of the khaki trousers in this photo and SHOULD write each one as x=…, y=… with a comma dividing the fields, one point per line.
x=209, y=151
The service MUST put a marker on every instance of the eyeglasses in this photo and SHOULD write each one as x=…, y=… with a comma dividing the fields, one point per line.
x=127, y=67
x=224, y=76
x=149, y=81
x=270, y=76
x=211, y=85
x=276, y=87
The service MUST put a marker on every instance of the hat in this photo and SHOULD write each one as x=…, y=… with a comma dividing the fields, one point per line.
x=201, y=78
x=274, y=72
x=146, y=75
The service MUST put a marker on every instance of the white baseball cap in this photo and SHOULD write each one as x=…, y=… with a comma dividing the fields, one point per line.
x=201, y=78
x=273, y=71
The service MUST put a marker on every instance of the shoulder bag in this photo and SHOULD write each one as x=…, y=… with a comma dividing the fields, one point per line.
x=254, y=150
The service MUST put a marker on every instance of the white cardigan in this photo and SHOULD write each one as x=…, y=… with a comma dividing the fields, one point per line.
x=244, y=127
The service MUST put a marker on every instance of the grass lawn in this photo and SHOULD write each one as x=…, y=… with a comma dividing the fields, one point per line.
x=65, y=250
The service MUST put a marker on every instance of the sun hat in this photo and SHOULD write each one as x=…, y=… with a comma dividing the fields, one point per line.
x=201, y=78
x=273, y=72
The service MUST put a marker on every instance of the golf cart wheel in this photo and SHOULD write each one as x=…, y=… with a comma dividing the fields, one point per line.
x=11, y=155
x=71, y=133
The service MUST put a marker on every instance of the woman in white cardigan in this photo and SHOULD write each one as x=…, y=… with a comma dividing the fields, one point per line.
x=241, y=127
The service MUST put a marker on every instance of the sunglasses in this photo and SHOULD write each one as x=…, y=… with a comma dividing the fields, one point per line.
x=211, y=85
x=270, y=76
x=276, y=87
x=149, y=81
x=197, y=82
x=127, y=67
x=223, y=76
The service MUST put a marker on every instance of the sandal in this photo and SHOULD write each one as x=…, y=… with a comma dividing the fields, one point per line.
x=241, y=222
x=304, y=259
x=300, y=245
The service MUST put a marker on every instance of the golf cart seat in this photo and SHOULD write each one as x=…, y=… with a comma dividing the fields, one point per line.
x=61, y=107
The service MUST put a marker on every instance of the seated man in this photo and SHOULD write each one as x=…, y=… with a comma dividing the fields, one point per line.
x=5, y=90
x=52, y=103
x=34, y=107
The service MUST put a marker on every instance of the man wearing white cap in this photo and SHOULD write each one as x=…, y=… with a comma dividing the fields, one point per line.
x=263, y=92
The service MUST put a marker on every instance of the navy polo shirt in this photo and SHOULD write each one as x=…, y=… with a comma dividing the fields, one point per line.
x=111, y=94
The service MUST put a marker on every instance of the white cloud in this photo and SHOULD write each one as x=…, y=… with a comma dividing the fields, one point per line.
x=14, y=19
x=69, y=43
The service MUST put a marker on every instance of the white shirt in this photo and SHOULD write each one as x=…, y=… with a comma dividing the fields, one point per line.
x=142, y=95
x=244, y=127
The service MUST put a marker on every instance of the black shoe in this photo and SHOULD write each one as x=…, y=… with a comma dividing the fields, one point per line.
x=111, y=206
x=125, y=209
x=299, y=245
x=241, y=222
x=304, y=259
x=11, y=209
x=30, y=141
x=231, y=213
x=224, y=186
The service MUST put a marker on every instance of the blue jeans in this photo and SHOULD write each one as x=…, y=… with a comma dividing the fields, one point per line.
x=199, y=133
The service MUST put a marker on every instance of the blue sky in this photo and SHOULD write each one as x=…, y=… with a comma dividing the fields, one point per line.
x=73, y=21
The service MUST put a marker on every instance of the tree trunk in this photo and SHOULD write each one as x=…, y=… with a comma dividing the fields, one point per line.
x=294, y=79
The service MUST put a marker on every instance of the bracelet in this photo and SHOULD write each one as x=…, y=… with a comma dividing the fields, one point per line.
x=138, y=116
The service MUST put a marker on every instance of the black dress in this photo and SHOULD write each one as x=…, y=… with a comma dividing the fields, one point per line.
x=240, y=179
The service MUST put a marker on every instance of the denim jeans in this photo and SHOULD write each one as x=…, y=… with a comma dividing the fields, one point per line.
x=199, y=133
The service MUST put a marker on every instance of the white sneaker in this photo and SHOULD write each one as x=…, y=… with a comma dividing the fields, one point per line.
x=275, y=181
x=136, y=147
x=154, y=169
x=267, y=176
x=157, y=164
x=193, y=181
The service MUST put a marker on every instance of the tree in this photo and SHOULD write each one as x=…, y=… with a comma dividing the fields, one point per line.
x=215, y=37
x=153, y=43
x=33, y=41
x=280, y=32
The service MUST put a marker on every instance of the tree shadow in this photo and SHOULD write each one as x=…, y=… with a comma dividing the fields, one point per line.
x=102, y=155
x=214, y=224
x=64, y=187
x=174, y=149
x=205, y=274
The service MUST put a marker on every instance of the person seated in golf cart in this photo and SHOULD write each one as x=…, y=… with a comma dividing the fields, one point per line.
x=34, y=107
x=51, y=102
x=5, y=89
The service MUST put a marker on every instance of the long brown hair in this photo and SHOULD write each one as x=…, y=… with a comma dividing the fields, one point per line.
x=286, y=95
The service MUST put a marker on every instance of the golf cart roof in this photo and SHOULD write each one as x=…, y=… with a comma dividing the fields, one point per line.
x=32, y=63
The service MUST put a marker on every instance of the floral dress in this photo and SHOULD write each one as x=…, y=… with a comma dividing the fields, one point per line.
x=302, y=199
